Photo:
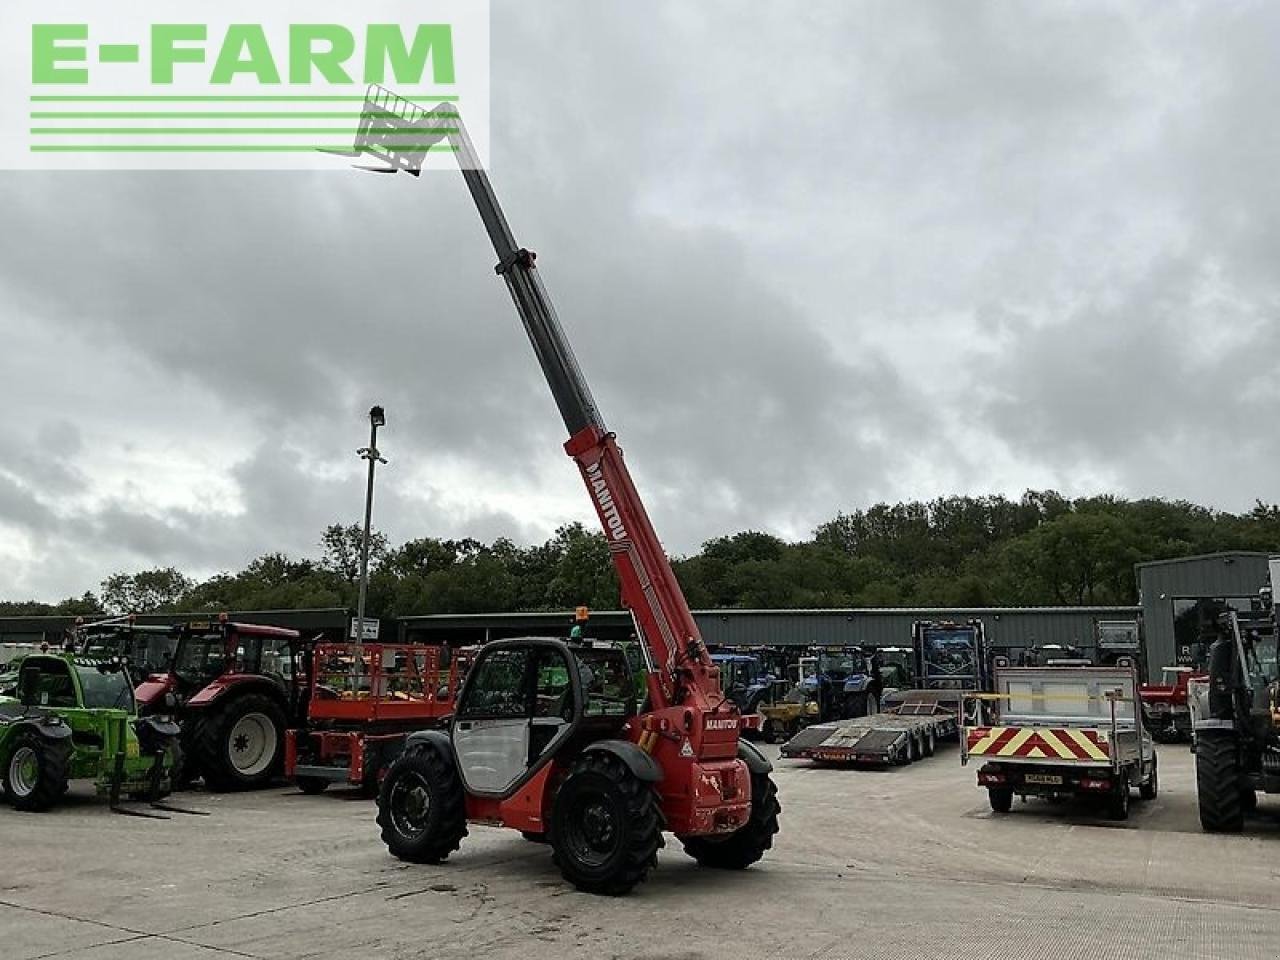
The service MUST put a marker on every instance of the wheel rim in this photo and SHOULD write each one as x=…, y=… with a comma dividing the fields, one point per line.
x=594, y=830
x=24, y=771
x=252, y=744
x=410, y=805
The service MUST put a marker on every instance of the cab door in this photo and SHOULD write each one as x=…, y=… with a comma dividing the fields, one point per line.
x=518, y=707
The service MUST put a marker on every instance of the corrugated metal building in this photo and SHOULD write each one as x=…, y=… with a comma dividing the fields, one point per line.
x=332, y=622
x=1007, y=628
x=1170, y=589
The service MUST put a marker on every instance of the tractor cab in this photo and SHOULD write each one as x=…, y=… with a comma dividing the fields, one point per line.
x=527, y=700
x=144, y=649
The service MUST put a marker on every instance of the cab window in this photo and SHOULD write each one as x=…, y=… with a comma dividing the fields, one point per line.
x=498, y=688
x=553, y=694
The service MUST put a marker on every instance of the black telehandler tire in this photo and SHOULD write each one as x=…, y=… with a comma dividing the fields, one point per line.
x=606, y=826
x=743, y=847
x=35, y=772
x=421, y=807
x=1218, y=781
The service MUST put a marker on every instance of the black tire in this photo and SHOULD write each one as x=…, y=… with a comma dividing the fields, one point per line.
x=311, y=786
x=220, y=743
x=740, y=849
x=1218, y=782
x=534, y=837
x=606, y=826
x=1151, y=789
x=42, y=779
x=1000, y=798
x=421, y=807
x=1118, y=801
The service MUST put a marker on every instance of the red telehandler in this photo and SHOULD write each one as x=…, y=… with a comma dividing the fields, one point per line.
x=554, y=738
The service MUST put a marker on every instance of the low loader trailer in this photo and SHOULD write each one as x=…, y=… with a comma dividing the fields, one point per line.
x=882, y=739
x=1064, y=732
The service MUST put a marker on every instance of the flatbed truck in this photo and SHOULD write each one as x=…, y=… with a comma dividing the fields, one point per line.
x=1064, y=732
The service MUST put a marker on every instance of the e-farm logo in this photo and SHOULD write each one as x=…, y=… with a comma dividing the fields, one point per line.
x=153, y=84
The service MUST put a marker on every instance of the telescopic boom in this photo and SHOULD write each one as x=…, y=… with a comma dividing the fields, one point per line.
x=401, y=134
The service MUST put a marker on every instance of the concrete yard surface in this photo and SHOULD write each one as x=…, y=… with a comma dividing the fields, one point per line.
x=901, y=863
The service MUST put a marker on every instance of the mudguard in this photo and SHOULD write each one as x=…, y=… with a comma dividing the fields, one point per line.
x=643, y=766
x=51, y=729
x=434, y=739
x=156, y=733
x=755, y=760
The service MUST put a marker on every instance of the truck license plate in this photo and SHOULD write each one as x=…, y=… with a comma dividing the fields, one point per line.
x=1048, y=779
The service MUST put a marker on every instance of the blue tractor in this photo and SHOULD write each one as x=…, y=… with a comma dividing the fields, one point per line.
x=846, y=683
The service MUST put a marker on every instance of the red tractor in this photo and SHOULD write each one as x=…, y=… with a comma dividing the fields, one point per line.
x=1166, y=710
x=365, y=700
x=238, y=687
x=553, y=738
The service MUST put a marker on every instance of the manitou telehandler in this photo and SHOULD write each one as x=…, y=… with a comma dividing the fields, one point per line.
x=550, y=737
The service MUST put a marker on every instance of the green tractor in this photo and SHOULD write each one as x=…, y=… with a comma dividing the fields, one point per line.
x=63, y=718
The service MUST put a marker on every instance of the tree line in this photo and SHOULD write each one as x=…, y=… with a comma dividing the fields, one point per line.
x=1041, y=549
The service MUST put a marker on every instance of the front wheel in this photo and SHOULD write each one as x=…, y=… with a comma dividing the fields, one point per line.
x=1218, y=782
x=606, y=826
x=421, y=808
x=311, y=786
x=35, y=778
x=745, y=846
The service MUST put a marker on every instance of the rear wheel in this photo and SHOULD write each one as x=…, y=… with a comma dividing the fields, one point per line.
x=1118, y=802
x=35, y=776
x=1000, y=798
x=421, y=808
x=743, y=847
x=1218, y=782
x=606, y=827
x=1151, y=789
x=242, y=743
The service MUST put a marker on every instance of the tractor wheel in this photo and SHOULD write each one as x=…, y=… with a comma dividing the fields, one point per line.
x=241, y=744
x=743, y=847
x=311, y=786
x=35, y=776
x=534, y=837
x=1151, y=789
x=421, y=808
x=1218, y=782
x=1000, y=798
x=606, y=827
x=1118, y=802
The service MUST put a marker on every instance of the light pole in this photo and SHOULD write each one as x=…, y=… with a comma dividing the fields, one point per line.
x=377, y=418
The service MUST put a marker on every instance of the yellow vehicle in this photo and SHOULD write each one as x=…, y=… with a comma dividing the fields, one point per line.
x=786, y=714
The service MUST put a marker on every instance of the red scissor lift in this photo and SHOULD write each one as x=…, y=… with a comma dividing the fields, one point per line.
x=365, y=700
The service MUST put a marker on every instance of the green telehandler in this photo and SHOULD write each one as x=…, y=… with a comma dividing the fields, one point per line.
x=65, y=717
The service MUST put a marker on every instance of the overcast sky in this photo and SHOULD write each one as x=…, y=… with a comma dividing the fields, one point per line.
x=812, y=255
